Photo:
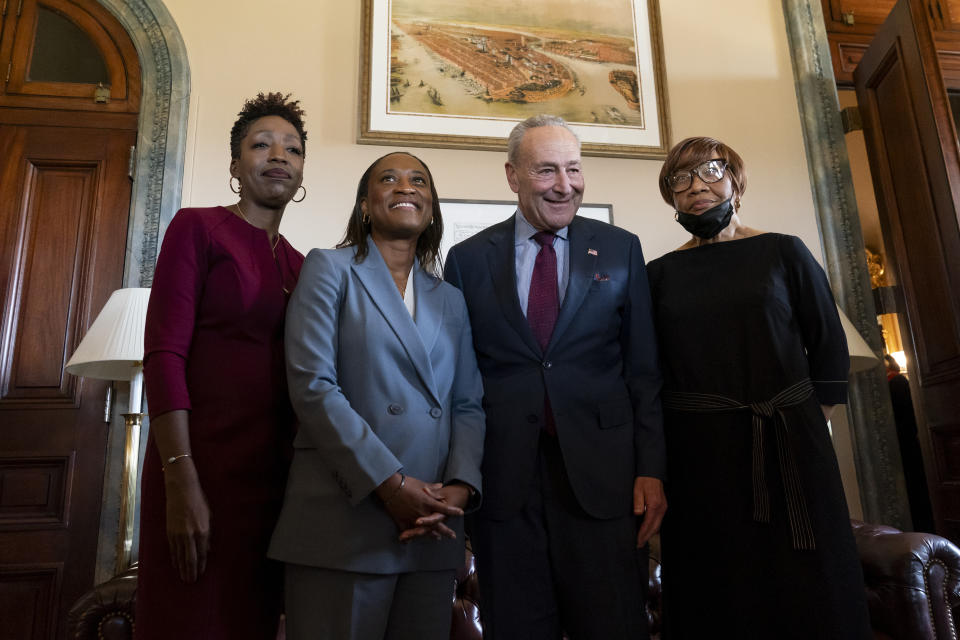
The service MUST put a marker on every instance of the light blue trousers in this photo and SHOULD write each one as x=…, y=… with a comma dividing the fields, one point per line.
x=327, y=604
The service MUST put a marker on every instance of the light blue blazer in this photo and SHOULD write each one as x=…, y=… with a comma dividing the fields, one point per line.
x=375, y=393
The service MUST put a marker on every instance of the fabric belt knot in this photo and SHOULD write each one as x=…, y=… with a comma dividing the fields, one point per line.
x=766, y=414
x=763, y=408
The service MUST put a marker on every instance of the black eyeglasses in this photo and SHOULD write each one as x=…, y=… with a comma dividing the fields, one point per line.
x=710, y=171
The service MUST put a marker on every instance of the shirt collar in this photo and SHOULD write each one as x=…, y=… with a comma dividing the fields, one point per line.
x=523, y=230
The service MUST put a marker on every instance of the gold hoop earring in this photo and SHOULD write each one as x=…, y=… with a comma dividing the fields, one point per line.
x=304, y=196
x=365, y=219
x=239, y=184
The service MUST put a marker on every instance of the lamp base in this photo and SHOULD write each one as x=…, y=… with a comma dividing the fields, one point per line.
x=128, y=490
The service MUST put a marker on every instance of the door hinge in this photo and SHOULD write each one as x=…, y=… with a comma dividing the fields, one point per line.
x=132, y=162
x=19, y=8
x=7, y=78
x=850, y=117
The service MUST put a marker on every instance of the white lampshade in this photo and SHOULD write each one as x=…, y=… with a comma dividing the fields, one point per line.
x=113, y=346
x=862, y=356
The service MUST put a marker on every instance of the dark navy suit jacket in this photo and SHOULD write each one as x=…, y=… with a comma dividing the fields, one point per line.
x=600, y=368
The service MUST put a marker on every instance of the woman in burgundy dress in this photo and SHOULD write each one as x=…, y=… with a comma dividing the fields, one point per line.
x=221, y=426
x=757, y=540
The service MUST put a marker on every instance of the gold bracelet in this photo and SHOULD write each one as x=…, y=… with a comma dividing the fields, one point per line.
x=403, y=480
x=173, y=459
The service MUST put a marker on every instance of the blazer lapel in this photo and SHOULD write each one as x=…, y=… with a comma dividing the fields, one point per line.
x=375, y=277
x=501, y=258
x=430, y=307
x=582, y=266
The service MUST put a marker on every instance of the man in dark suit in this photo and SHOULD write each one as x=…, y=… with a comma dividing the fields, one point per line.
x=574, y=454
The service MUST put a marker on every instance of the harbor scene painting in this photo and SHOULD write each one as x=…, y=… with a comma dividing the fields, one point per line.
x=472, y=70
x=498, y=58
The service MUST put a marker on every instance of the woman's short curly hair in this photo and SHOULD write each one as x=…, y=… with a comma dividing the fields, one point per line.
x=690, y=152
x=270, y=104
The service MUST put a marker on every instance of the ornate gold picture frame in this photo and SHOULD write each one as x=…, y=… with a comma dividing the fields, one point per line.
x=451, y=74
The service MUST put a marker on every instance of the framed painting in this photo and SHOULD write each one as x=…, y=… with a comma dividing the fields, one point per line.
x=453, y=74
x=463, y=218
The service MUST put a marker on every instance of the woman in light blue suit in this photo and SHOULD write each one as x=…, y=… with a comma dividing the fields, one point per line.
x=384, y=380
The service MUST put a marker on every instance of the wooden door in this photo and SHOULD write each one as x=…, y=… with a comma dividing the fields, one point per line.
x=55, y=53
x=864, y=16
x=64, y=201
x=861, y=16
x=947, y=14
x=851, y=25
x=915, y=162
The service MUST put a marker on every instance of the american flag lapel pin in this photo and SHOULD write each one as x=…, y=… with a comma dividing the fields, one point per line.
x=591, y=252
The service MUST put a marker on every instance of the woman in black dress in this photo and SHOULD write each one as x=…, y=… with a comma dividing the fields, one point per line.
x=757, y=542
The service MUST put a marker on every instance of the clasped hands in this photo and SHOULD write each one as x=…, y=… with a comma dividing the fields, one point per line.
x=421, y=509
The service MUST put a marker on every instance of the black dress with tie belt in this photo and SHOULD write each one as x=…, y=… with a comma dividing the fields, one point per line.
x=757, y=540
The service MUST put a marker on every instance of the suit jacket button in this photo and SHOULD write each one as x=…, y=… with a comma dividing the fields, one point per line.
x=394, y=409
x=547, y=364
x=532, y=419
x=436, y=412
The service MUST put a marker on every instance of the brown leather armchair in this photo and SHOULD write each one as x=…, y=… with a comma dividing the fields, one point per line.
x=106, y=611
x=912, y=580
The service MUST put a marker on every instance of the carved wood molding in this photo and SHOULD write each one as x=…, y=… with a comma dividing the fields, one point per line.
x=876, y=453
x=161, y=142
x=155, y=198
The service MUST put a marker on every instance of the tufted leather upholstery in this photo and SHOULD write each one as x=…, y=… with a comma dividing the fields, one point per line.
x=106, y=611
x=466, y=603
x=913, y=590
x=913, y=582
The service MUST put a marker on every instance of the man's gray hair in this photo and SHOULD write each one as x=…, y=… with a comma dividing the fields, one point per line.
x=540, y=120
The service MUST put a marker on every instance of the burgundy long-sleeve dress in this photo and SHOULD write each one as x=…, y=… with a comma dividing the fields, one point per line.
x=214, y=346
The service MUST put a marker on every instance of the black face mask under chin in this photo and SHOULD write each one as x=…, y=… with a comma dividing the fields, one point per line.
x=710, y=222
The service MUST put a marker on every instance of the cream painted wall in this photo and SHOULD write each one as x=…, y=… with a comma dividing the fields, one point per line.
x=729, y=76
